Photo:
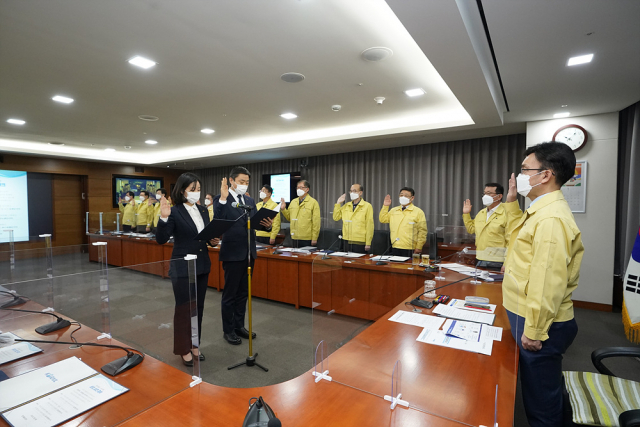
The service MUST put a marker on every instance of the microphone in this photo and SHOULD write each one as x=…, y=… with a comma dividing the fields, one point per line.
x=464, y=251
x=49, y=327
x=380, y=262
x=133, y=357
x=241, y=206
x=326, y=255
x=17, y=299
x=260, y=415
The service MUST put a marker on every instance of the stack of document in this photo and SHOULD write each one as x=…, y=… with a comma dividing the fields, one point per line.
x=348, y=254
x=458, y=303
x=467, y=315
x=390, y=258
x=50, y=395
x=17, y=350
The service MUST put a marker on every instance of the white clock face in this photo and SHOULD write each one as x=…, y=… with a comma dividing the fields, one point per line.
x=573, y=137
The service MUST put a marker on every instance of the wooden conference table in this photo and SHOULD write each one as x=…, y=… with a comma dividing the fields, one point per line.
x=444, y=387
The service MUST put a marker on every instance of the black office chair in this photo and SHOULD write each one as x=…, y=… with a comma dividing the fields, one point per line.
x=287, y=242
x=585, y=389
x=327, y=237
x=380, y=242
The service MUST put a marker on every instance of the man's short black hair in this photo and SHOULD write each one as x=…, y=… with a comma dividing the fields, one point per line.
x=209, y=194
x=499, y=188
x=409, y=189
x=130, y=193
x=239, y=170
x=146, y=193
x=184, y=181
x=557, y=157
x=163, y=191
x=268, y=188
x=305, y=183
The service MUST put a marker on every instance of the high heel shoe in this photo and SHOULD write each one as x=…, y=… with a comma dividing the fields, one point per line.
x=200, y=357
x=187, y=362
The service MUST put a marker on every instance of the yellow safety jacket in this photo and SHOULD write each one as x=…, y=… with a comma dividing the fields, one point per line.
x=144, y=214
x=409, y=226
x=491, y=234
x=304, y=217
x=543, y=264
x=275, y=228
x=128, y=210
x=357, y=225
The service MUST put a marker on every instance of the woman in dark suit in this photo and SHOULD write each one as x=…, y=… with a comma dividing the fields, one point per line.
x=184, y=222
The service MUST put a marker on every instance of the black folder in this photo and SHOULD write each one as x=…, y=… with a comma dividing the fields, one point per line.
x=259, y=216
x=215, y=229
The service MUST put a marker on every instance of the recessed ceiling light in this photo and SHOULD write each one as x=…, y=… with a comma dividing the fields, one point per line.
x=110, y=150
x=375, y=54
x=288, y=116
x=151, y=142
x=561, y=115
x=577, y=60
x=292, y=77
x=207, y=131
x=414, y=92
x=148, y=118
x=56, y=143
x=142, y=62
x=63, y=99
x=564, y=105
x=16, y=121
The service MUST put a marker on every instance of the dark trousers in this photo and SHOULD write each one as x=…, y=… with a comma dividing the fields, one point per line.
x=182, y=317
x=301, y=243
x=541, y=372
x=234, y=295
x=401, y=252
x=126, y=228
x=262, y=239
x=353, y=247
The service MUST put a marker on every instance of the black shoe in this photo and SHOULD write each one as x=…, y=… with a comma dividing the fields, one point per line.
x=200, y=358
x=187, y=362
x=242, y=332
x=232, y=338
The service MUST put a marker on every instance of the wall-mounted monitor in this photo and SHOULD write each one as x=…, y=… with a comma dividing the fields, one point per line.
x=283, y=184
x=123, y=183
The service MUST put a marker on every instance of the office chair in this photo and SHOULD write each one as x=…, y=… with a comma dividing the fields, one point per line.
x=603, y=399
x=380, y=241
x=327, y=237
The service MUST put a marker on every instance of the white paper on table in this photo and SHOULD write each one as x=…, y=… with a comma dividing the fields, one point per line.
x=469, y=316
x=354, y=255
x=493, y=333
x=339, y=253
x=381, y=258
x=458, y=303
x=468, y=331
x=285, y=249
x=417, y=319
x=17, y=351
x=65, y=404
x=399, y=258
x=32, y=385
x=439, y=338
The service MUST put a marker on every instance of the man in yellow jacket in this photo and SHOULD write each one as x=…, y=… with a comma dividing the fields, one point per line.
x=156, y=207
x=541, y=272
x=357, y=221
x=304, y=214
x=144, y=213
x=407, y=224
x=208, y=202
x=128, y=209
x=268, y=237
x=489, y=226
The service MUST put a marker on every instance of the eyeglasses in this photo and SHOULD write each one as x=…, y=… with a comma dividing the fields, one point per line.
x=523, y=170
x=489, y=194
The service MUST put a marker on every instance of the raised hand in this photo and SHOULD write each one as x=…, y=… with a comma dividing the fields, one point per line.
x=165, y=208
x=387, y=200
x=341, y=199
x=512, y=195
x=466, y=208
x=224, y=190
x=283, y=204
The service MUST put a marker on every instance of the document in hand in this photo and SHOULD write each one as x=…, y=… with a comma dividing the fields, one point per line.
x=50, y=395
x=259, y=216
x=215, y=229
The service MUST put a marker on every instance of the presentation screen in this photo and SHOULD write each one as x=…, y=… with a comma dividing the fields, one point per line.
x=14, y=214
x=283, y=184
x=122, y=184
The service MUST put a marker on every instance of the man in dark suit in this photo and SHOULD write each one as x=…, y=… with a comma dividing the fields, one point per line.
x=234, y=253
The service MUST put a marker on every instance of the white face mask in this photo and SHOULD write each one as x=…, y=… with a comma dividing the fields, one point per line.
x=158, y=196
x=300, y=192
x=404, y=200
x=487, y=200
x=127, y=198
x=141, y=198
x=241, y=189
x=207, y=202
x=523, y=185
x=193, y=196
x=354, y=196
x=263, y=195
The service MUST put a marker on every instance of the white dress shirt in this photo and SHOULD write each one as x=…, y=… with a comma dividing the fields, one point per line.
x=235, y=195
x=489, y=213
x=195, y=216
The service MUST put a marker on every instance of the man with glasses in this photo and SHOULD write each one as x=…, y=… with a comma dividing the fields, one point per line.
x=489, y=226
x=541, y=272
x=304, y=214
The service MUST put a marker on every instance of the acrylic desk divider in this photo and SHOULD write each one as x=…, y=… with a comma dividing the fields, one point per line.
x=396, y=394
x=319, y=359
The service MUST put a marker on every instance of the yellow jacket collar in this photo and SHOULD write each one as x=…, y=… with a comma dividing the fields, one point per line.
x=548, y=198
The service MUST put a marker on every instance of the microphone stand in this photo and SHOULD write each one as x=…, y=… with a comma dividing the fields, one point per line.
x=326, y=255
x=380, y=262
x=251, y=359
x=49, y=327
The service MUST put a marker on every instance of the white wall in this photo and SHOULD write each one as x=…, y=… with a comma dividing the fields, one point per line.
x=598, y=223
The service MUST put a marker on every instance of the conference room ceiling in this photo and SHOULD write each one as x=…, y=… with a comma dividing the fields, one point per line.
x=219, y=67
